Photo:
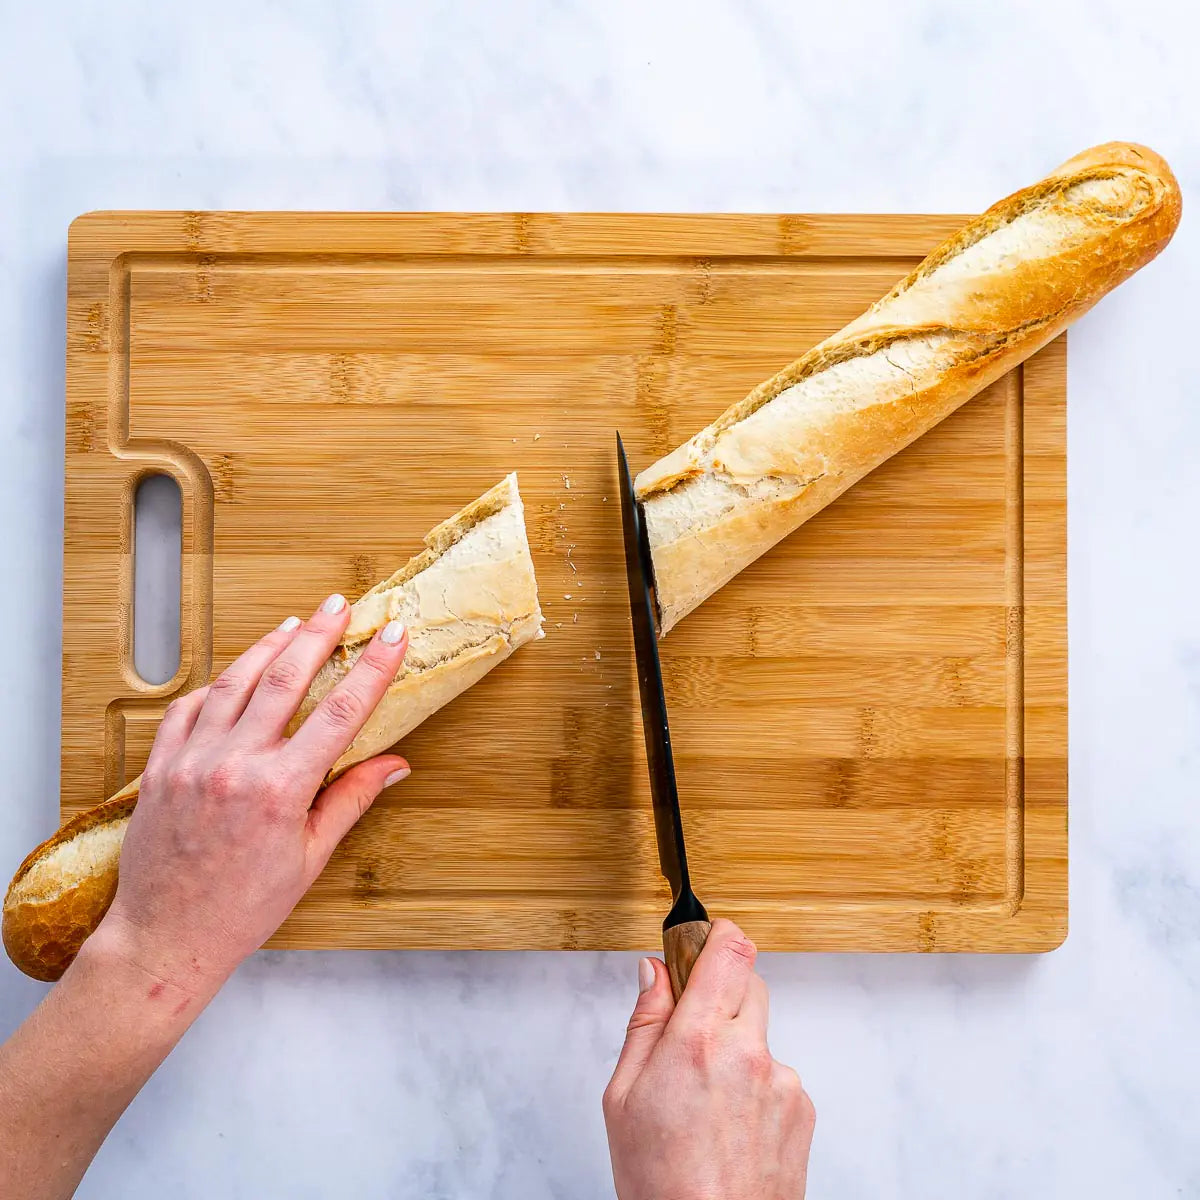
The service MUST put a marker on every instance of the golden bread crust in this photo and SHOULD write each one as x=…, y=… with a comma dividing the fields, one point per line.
x=986, y=299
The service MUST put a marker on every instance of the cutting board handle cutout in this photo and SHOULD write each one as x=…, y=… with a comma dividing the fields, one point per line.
x=180, y=522
x=113, y=483
x=157, y=572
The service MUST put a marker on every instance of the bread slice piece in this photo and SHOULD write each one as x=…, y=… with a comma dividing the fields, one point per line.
x=469, y=600
x=982, y=302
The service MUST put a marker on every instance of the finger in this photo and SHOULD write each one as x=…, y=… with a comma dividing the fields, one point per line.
x=284, y=683
x=230, y=692
x=755, y=1008
x=339, y=806
x=336, y=720
x=790, y=1094
x=721, y=975
x=646, y=1026
x=177, y=724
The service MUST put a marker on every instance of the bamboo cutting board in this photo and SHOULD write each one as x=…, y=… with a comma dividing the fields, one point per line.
x=869, y=723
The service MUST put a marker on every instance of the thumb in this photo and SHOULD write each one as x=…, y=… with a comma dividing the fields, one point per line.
x=646, y=1026
x=336, y=809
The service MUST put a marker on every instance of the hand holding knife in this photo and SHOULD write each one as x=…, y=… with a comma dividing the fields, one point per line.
x=686, y=926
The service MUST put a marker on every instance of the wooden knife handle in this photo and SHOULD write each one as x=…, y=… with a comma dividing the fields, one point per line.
x=682, y=945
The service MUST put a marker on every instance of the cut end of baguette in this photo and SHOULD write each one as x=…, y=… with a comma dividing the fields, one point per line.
x=468, y=601
x=63, y=889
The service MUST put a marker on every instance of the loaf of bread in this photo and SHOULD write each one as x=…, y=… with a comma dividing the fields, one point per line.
x=469, y=600
x=982, y=302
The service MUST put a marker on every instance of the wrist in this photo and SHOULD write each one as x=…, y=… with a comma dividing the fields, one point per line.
x=117, y=961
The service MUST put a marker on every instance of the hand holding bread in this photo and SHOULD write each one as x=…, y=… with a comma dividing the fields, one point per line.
x=227, y=836
x=468, y=600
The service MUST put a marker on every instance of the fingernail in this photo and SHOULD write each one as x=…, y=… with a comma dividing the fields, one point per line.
x=393, y=631
x=290, y=624
x=334, y=604
x=645, y=976
x=397, y=775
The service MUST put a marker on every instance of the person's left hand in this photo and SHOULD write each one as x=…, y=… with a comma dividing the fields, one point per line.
x=226, y=836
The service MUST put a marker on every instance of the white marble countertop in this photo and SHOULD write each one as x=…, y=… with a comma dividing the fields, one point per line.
x=459, y=1075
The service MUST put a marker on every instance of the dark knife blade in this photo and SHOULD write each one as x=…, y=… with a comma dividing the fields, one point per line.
x=668, y=824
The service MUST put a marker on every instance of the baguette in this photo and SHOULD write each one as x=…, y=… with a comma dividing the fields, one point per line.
x=986, y=299
x=469, y=600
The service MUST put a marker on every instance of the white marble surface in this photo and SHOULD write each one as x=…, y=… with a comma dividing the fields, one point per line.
x=458, y=1075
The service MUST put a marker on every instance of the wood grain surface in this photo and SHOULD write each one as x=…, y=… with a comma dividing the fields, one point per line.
x=869, y=722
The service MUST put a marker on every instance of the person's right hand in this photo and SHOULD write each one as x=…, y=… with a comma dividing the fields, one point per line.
x=697, y=1108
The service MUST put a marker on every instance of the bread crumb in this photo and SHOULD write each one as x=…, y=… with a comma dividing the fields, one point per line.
x=537, y=437
x=567, y=596
x=566, y=481
x=575, y=619
x=597, y=655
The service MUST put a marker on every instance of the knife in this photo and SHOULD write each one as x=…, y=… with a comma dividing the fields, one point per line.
x=686, y=927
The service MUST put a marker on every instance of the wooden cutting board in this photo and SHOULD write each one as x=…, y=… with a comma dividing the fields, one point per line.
x=870, y=722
